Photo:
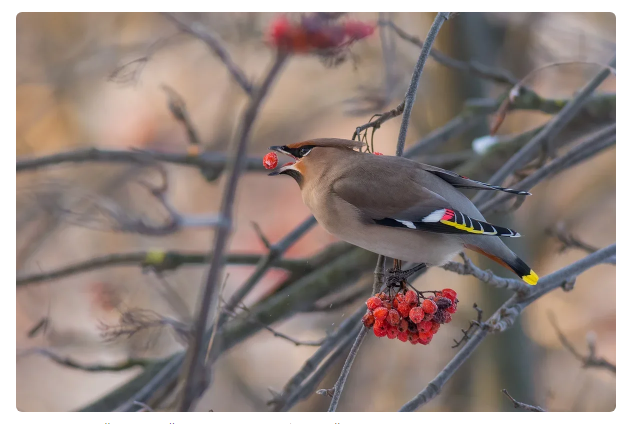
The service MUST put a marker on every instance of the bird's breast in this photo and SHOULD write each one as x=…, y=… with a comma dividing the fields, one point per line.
x=344, y=221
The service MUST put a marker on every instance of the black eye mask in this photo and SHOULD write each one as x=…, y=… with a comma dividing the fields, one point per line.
x=298, y=152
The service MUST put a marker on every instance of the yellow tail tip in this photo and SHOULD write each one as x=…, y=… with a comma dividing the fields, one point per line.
x=531, y=278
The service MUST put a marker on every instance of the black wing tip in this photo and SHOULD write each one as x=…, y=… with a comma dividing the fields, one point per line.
x=512, y=191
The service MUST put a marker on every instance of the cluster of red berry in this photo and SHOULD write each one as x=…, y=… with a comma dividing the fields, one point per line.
x=313, y=33
x=406, y=319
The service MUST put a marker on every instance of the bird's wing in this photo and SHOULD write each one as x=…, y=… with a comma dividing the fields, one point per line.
x=410, y=206
x=459, y=181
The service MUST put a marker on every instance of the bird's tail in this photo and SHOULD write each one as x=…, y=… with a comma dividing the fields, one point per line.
x=514, y=264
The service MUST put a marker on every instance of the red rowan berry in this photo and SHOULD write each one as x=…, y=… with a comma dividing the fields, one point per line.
x=416, y=314
x=270, y=160
x=425, y=337
x=413, y=337
x=403, y=325
x=380, y=328
x=423, y=326
x=449, y=293
x=429, y=306
x=393, y=332
x=435, y=327
x=368, y=319
x=411, y=297
x=373, y=303
x=404, y=309
x=380, y=313
x=403, y=336
x=393, y=317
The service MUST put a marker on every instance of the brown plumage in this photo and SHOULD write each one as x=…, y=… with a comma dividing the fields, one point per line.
x=394, y=206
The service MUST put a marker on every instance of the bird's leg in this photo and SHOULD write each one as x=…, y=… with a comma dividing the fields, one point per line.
x=397, y=276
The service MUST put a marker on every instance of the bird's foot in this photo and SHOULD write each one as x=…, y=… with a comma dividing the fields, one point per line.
x=397, y=277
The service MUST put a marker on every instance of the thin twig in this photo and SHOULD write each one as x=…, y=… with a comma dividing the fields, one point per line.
x=416, y=75
x=517, y=404
x=209, y=296
x=498, y=75
x=177, y=106
x=595, y=144
x=568, y=240
x=504, y=318
x=71, y=363
x=215, y=44
x=294, y=384
x=307, y=388
x=551, y=129
x=229, y=312
x=274, y=255
x=468, y=333
x=588, y=361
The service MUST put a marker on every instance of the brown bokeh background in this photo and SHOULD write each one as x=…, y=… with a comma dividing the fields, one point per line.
x=66, y=100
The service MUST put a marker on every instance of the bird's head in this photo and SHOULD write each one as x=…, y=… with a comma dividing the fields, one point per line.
x=311, y=155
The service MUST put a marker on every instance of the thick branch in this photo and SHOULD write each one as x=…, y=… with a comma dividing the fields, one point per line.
x=505, y=317
x=196, y=354
x=159, y=261
x=551, y=129
x=468, y=268
x=596, y=143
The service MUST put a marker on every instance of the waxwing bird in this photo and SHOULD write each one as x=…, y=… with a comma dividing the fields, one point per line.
x=395, y=206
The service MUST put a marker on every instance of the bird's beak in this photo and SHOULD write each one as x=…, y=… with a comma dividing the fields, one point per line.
x=287, y=165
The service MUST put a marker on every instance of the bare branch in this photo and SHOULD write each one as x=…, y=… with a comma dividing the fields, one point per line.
x=522, y=405
x=469, y=268
x=276, y=251
x=307, y=388
x=70, y=363
x=210, y=162
x=551, y=129
x=196, y=353
x=469, y=331
x=215, y=44
x=504, y=318
x=416, y=75
x=474, y=68
x=178, y=108
x=569, y=240
x=343, y=377
x=595, y=144
x=229, y=312
x=137, y=320
x=588, y=361
x=289, y=395
x=158, y=261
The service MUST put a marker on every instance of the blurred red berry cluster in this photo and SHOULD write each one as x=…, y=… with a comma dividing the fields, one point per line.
x=406, y=317
x=315, y=33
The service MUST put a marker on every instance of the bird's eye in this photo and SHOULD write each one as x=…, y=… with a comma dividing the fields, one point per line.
x=304, y=150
